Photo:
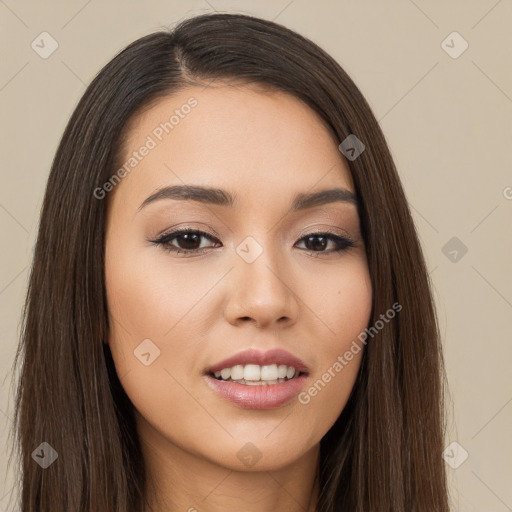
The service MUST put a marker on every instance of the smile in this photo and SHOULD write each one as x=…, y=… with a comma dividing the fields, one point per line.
x=256, y=375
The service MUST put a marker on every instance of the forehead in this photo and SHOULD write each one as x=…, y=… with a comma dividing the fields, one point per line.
x=236, y=137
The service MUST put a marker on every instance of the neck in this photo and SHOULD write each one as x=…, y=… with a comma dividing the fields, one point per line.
x=182, y=481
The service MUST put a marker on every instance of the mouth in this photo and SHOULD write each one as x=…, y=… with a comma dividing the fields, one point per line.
x=258, y=380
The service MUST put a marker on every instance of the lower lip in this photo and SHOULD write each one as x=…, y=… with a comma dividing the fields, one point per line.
x=260, y=396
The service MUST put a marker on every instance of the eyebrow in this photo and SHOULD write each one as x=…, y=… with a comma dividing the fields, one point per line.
x=219, y=197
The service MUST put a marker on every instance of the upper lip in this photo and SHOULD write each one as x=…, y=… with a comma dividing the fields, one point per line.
x=274, y=356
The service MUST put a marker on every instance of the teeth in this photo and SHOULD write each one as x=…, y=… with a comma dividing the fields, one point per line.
x=237, y=372
x=269, y=372
x=253, y=374
x=261, y=382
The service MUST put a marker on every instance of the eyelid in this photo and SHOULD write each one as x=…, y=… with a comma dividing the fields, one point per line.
x=207, y=231
x=173, y=233
x=317, y=230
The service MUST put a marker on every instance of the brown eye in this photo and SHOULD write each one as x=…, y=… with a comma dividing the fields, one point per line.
x=186, y=241
x=317, y=242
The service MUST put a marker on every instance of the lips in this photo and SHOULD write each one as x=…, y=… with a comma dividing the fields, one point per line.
x=257, y=397
x=271, y=394
x=274, y=356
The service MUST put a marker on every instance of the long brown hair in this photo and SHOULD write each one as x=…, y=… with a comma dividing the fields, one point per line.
x=384, y=453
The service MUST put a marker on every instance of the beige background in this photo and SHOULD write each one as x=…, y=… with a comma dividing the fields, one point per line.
x=448, y=122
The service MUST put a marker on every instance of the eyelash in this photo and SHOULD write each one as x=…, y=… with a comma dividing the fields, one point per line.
x=343, y=242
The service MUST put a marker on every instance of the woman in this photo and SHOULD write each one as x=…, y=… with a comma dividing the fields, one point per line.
x=228, y=307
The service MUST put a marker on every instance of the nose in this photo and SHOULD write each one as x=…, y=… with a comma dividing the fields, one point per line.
x=262, y=293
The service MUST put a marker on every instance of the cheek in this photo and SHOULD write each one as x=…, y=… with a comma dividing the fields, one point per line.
x=340, y=299
x=136, y=302
x=148, y=299
x=144, y=296
x=347, y=300
x=148, y=302
x=344, y=309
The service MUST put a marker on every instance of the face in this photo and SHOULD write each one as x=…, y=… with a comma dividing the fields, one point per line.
x=260, y=272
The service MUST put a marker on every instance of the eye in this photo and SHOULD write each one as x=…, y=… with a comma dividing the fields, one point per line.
x=188, y=241
x=317, y=242
x=187, y=238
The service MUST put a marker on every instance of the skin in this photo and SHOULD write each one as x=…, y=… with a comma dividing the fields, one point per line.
x=265, y=147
